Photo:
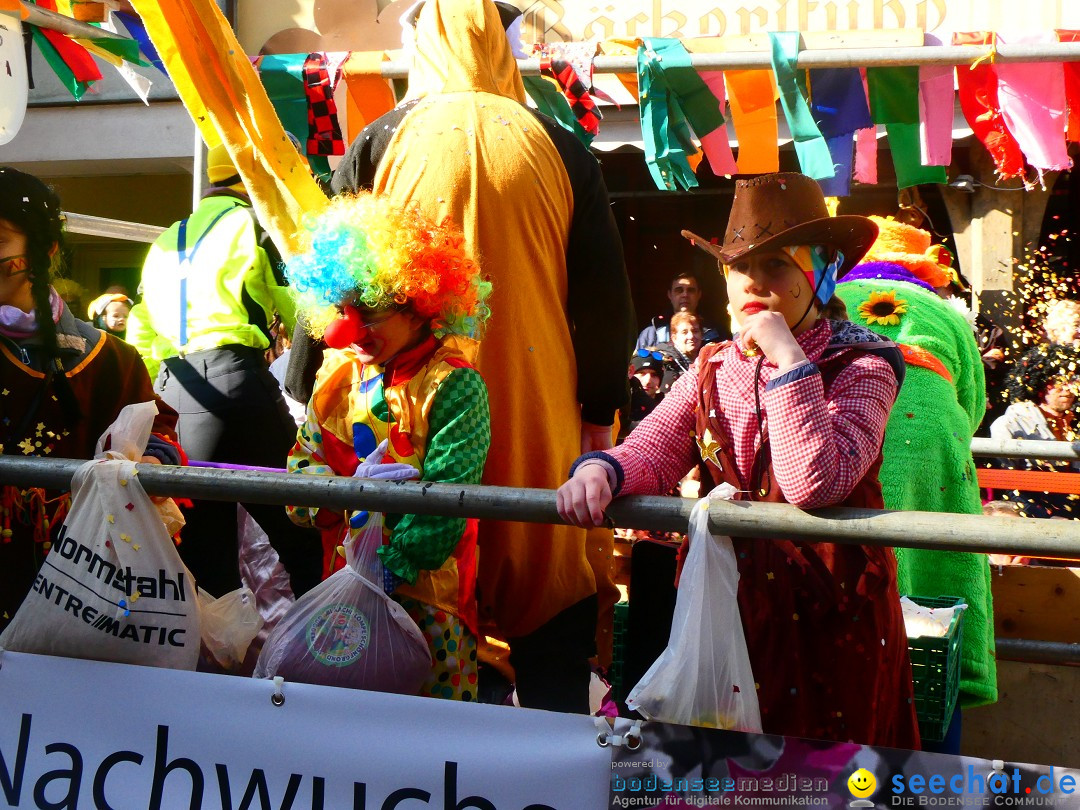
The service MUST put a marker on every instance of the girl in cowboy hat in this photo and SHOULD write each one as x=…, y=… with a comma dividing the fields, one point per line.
x=792, y=410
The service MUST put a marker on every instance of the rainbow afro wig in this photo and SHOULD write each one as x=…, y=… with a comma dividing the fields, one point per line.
x=364, y=251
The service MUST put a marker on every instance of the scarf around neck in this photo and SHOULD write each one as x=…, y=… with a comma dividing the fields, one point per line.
x=19, y=325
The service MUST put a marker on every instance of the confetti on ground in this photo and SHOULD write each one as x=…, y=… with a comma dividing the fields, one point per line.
x=111, y=518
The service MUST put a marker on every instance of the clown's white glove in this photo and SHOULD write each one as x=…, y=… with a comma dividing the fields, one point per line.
x=373, y=467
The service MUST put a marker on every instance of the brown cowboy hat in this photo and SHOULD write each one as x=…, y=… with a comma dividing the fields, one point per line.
x=772, y=211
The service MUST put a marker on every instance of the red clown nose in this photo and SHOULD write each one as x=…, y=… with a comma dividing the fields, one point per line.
x=346, y=330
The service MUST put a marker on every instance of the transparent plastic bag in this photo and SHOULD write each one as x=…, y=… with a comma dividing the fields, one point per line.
x=703, y=678
x=229, y=624
x=347, y=632
x=113, y=587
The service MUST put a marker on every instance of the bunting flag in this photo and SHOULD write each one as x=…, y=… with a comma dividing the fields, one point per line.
x=866, y=145
x=282, y=75
x=752, y=95
x=715, y=144
x=813, y=153
x=842, y=153
x=71, y=62
x=1032, y=98
x=324, y=132
x=114, y=51
x=1072, y=86
x=839, y=101
x=580, y=56
x=840, y=110
x=575, y=91
x=623, y=47
x=136, y=81
x=894, y=102
x=904, y=143
x=935, y=114
x=549, y=100
x=137, y=31
x=224, y=97
x=866, y=156
x=978, y=90
x=14, y=7
x=665, y=129
x=894, y=94
x=60, y=67
x=369, y=95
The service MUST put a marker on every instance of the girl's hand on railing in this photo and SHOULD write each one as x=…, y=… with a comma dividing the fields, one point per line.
x=583, y=499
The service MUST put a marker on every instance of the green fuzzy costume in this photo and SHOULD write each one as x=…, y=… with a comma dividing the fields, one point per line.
x=928, y=466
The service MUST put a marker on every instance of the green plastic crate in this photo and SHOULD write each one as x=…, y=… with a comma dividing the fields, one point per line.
x=935, y=670
x=618, y=653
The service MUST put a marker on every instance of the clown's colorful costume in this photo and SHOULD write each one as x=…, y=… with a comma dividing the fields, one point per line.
x=431, y=404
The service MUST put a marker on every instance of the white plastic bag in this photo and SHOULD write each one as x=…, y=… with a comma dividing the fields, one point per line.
x=113, y=587
x=922, y=621
x=229, y=625
x=703, y=678
x=346, y=632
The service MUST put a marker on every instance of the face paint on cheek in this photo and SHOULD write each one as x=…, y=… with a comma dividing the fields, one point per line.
x=796, y=291
x=14, y=265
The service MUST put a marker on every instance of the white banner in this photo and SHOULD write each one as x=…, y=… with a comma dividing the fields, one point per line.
x=82, y=734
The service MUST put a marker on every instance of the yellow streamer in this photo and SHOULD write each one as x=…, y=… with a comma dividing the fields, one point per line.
x=225, y=98
x=989, y=55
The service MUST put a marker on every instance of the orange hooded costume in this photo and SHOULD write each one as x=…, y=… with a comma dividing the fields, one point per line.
x=533, y=207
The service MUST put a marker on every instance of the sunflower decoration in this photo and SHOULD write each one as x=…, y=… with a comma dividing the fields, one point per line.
x=882, y=307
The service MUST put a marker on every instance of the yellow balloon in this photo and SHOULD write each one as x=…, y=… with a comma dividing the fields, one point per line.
x=861, y=783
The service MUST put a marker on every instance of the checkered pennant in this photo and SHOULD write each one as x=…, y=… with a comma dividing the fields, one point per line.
x=581, y=102
x=324, y=131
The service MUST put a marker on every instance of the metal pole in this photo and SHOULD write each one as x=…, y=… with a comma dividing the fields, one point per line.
x=112, y=228
x=198, y=170
x=1032, y=537
x=822, y=58
x=43, y=18
x=1025, y=448
x=1037, y=652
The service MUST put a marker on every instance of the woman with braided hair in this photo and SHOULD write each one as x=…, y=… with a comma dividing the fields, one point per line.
x=62, y=382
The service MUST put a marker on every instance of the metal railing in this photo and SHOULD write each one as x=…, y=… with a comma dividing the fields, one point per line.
x=930, y=530
x=742, y=519
x=112, y=228
x=1025, y=449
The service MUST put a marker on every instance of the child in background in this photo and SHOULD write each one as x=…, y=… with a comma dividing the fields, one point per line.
x=109, y=313
x=396, y=299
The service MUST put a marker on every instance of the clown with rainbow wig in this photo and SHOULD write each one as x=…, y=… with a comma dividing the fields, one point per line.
x=399, y=302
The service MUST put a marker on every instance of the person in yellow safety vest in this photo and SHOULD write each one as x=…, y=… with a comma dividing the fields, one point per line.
x=211, y=285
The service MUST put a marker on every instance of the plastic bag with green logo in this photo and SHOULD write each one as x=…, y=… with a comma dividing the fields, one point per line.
x=347, y=632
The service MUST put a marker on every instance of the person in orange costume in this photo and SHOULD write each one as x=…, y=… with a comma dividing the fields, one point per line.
x=534, y=209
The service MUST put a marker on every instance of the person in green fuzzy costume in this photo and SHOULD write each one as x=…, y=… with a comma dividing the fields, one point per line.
x=927, y=462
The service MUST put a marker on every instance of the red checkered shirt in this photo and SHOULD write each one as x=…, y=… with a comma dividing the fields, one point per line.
x=823, y=441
